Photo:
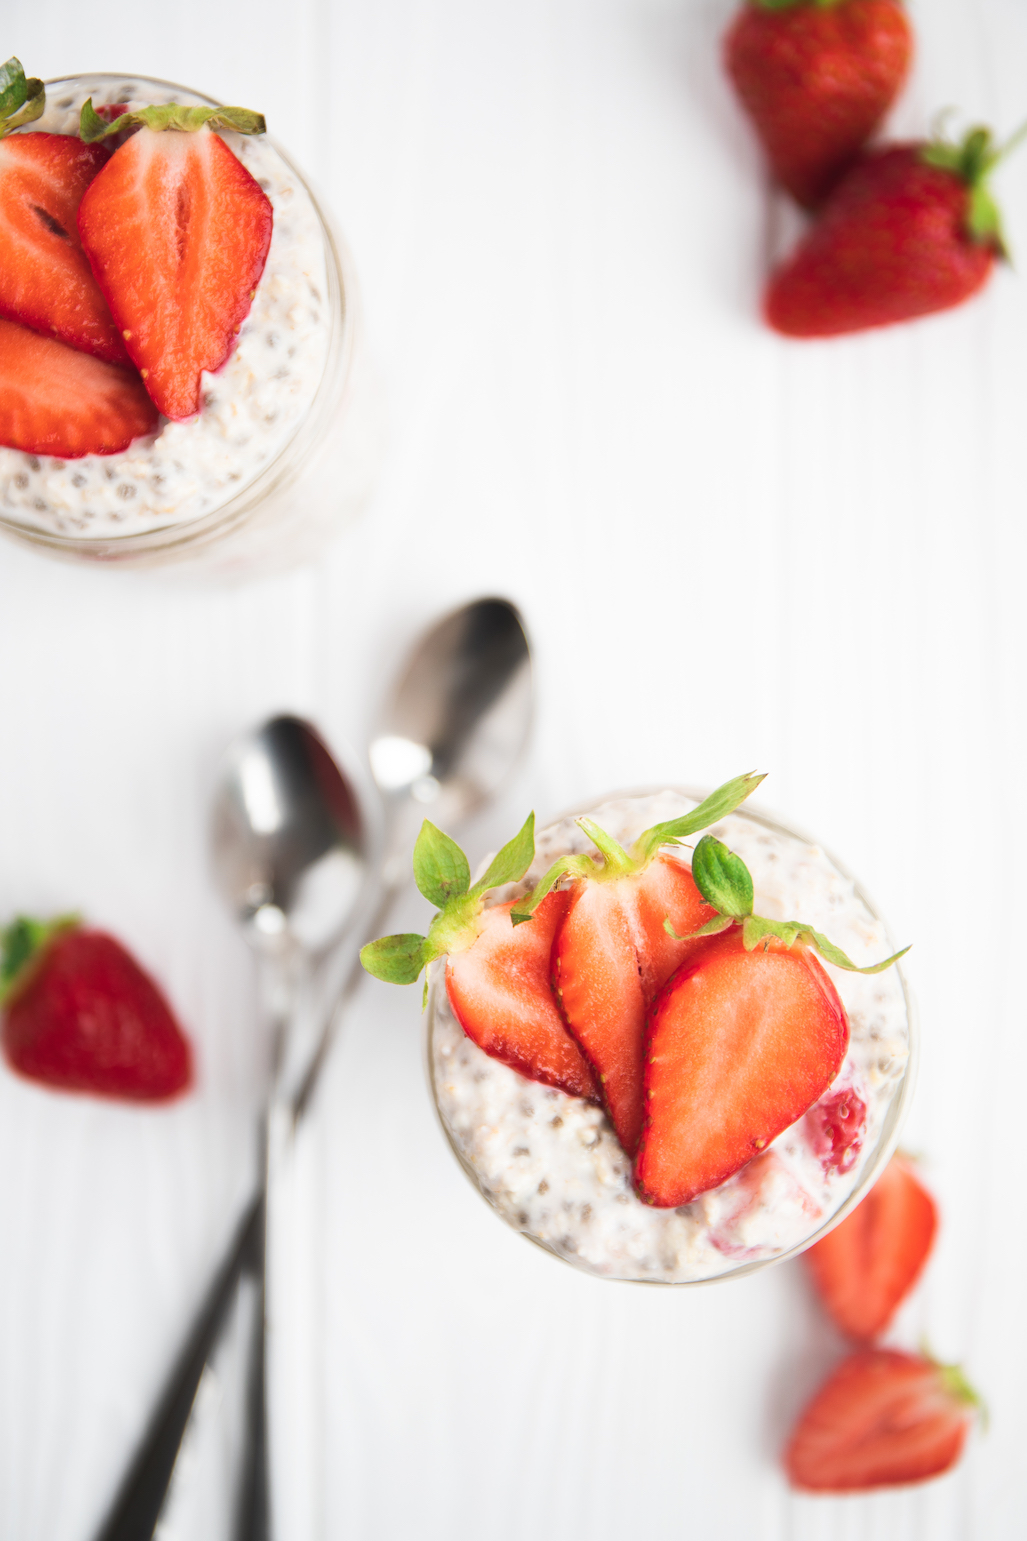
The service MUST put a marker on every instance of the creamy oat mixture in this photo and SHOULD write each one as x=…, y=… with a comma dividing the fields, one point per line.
x=251, y=406
x=551, y=1164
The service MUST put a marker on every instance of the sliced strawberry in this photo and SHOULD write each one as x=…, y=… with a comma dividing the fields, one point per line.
x=81, y=1015
x=866, y=1266
x=45, y=278
x=740, y=1044
x=880, y=1420
x=56, y=401
x=611, y=955
x=835, y=1127
x=177, y=232
x=499, y=991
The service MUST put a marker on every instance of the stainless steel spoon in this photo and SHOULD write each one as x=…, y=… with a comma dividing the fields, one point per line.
x=451, y=730
x=289, y=853
x=453, y=727
x=289, y=849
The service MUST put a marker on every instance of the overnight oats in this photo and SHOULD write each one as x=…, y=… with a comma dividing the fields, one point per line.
x=273, y=444
x=671, y=1073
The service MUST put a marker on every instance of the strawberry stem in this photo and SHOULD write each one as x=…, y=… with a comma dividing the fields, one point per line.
x=616, y=861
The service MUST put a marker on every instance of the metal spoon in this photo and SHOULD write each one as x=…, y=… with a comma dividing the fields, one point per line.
x=290, y=856
x=289, y=852
x=451, y=730
x=453, y=727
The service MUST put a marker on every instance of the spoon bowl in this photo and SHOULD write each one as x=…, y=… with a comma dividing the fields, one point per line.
x=458, y=716
x=288, y=841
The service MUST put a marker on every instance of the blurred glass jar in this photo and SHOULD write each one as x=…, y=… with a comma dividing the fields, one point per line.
x=551, y=1167
x=311, y=485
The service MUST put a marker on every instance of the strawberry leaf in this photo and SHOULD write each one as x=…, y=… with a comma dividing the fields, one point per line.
x=511, y=863
x=711, y=928
x=956, y=1384
x=22, y=944
x=170, y=115
x=717, y=806
x=240, y=120
x=834, y=955
x=91, y=126
x=21, y=100
x=722, y=878
x=396, y=959
x=441, y=870
x=972, y=160
x=13, y=86
x=756, y=929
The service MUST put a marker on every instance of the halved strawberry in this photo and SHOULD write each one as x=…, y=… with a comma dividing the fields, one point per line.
x=499, y=992
x=497, y=977
x=177, y=232
x=866, y=1266
x=57, y=401
x=45, y=278
x=610, y=957
x=882, y=1419
x=642, y=914
x=740, y=1044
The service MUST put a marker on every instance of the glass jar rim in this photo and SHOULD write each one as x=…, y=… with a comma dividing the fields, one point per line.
x=894, y=1117
x=179, y=537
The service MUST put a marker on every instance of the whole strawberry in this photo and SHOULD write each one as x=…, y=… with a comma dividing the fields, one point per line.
x=912, y=229
x=816, y=77
x=80, y=1015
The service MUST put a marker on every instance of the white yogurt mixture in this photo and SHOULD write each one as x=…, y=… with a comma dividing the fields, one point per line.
x=251, y=407
x=551, y=1164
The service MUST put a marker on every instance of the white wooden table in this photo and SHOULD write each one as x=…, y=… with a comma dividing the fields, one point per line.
x=732, y=552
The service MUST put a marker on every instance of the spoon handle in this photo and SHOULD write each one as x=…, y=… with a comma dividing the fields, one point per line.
x=335, y=995
x=140, y=1499
x=133, y=1515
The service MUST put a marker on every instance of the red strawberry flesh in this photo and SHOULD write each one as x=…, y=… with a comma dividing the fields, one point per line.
x=45, y=279
x=882, y=1419
x=88, y=1019
x=835, y=1127
x=867, y=1265
x=499, y=991
x=610, y=957
x=891, y=244
x=57, y=401
x=816, y=81
x=177, y=232
x=740, y=1045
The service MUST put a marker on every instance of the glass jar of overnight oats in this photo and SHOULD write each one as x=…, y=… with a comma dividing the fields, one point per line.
x=284, y=451
x=551, y=1165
